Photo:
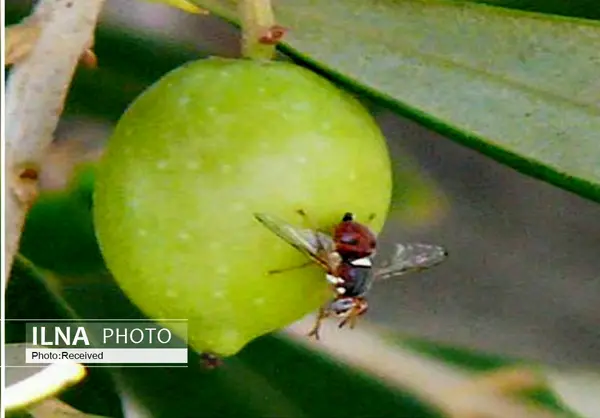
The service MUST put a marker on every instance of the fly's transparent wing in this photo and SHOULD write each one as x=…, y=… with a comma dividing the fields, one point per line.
x=410, y=258
x=311, y=243
x=318, y=240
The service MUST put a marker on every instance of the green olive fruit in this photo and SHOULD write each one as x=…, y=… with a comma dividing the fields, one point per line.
x=190, y=162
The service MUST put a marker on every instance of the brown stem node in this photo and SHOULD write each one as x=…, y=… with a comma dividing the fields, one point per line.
x=273, y=35
x=25, y=186
x=89, y=59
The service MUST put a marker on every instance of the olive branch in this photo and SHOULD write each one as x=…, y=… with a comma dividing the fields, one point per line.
x=35, y=95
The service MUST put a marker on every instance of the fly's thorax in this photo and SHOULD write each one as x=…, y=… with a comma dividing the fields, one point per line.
x=354, y=240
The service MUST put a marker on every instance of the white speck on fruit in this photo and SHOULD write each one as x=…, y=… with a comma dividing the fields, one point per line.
x=222, y=270
x=225, y=168
x=300, y=106
x=218, y=294
x=238, y=207
x=352, y=176
x=229, y=337
x=320, y=145
x=261, y=90
x=193, y=165
x=259, y=301
x=326, y=126
x=225, y=74
x=183, y=236
x=132, y=203
x=171, y=294
x=211, y=110
x=301, y=160
x=161, y=165
x=183, y=101
x=142, y=232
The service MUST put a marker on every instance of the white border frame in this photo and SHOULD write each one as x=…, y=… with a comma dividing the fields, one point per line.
x=3, y=199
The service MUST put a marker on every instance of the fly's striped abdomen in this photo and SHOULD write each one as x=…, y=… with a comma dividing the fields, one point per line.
x=356, y=276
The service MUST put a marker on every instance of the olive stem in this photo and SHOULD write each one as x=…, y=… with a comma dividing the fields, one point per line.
x=35, y=94
x=257, y=20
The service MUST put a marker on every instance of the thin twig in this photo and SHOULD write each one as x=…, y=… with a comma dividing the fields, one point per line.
x=35, y=95
x=32, y=391
x=259, y=32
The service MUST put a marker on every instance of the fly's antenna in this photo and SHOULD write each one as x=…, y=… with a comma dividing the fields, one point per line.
x=370, y=219
x=349, y=217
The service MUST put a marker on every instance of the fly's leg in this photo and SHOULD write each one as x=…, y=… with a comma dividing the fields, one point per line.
x=314, y=332
x=301, y=266
x=359, y=308
x=370, y=219
x=353, y=319
x=349, y=319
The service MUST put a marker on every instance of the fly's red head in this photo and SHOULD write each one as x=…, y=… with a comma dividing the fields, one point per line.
x=353, y=240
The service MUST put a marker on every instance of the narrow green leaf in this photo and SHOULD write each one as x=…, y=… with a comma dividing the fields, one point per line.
x=588, y=9
x=184, y=5
x=519, y=87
